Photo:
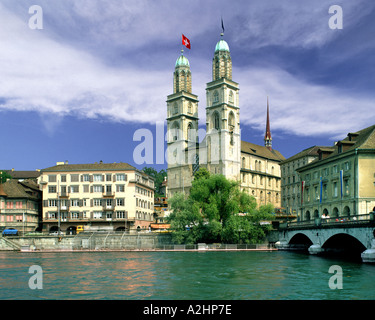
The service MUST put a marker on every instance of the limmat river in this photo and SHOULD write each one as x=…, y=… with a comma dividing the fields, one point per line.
x=181, y=275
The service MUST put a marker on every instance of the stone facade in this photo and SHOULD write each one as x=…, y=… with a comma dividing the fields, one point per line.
x=291, y=184
x=341, y=181
x=221, y=151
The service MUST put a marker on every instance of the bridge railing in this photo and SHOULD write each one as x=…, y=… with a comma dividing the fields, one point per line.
x=343, y=221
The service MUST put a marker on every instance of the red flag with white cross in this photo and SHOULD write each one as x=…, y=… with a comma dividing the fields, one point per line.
x=186, y=42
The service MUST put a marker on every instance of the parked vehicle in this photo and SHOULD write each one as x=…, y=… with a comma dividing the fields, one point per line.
x=10, y=232
x=79, y=229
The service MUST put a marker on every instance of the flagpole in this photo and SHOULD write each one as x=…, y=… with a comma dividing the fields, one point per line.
x=222, y=27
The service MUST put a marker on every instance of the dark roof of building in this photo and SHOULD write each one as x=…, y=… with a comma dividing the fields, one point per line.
x=90, y=167
x=364, y=139
x=361, y=140
x=309, y=152
x=27, y=189
x=261, y=151
x=23, y=174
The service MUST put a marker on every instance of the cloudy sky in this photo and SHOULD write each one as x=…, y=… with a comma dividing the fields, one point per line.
x=79, y=88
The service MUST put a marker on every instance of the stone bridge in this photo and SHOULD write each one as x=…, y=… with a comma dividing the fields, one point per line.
x=348, y=235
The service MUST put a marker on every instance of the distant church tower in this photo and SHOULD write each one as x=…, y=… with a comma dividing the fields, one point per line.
x=267, y=136
x=223, y=141
x=182, y=126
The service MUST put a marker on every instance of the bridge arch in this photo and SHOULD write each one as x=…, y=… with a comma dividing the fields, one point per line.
x=300, y=241
x=343, y=239
x=344, y=243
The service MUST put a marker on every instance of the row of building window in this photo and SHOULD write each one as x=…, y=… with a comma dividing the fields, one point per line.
x=86, y=188
x=325, y=172
x=18, y=205
x=89, y=177
x=258, y=166
x=84, y=202
x=144, y=192
x=336, y=190
x=143, y=203
x=18, y=218
x=247, y=178
x=271, y=196
x=64, y=216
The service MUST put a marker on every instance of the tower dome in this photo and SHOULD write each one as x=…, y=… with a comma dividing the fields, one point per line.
x=182, y=75
x=222, y=45
x=182, y=61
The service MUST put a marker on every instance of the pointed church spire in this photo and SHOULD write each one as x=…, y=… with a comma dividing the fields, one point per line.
x=267, y=136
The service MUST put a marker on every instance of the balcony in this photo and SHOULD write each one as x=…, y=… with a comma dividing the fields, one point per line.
x=107, y=207
x=108, y=194
x=64, y=194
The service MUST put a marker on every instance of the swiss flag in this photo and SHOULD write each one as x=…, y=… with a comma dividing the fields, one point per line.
x=186, y=42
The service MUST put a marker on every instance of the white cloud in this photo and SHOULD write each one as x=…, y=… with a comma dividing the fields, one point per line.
x=299, y=107
x=42, y=71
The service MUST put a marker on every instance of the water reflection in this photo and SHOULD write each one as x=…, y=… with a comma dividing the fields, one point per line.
x=181, y=275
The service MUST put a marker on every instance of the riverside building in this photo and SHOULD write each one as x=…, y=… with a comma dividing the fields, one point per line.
x=98, y=196
x=20, y=206
x=341, y=181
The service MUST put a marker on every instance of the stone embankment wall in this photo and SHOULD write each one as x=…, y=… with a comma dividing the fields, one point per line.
x=86, y=241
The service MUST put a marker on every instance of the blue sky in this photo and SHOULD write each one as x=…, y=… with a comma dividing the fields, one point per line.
x=78, y=89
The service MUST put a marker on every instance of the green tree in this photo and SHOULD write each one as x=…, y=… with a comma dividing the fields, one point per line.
x=4, y=176
x=185, y=219
x=219, y=198
x=216, y=210
x=202, y=173
x=158, y=177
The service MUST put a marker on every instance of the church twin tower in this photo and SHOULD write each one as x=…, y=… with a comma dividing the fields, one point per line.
x=220, y=150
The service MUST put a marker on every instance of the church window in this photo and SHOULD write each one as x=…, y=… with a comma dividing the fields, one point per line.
x=190, y=132
x=217, y=69
x=216, y=97
x=231, y=97
x=175, y=108
x=216, y=121
x=190, y=108
x=231, y=120
x=243, y=162
x=175, y=131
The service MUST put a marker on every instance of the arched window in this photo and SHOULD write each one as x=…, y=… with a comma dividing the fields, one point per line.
x=231, y=100
x=216, y=121
x=175, y=108
x=335, y=212
x=346, y=211
x=243, y=162
x=190, y=108
x=307, y=215
x=316, y=213
x=175, y=131
x=190, y=133
x=216, y=97
x=217, y=69
x=231, y=120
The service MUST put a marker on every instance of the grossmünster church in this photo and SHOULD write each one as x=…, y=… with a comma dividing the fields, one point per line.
x=221, y=150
